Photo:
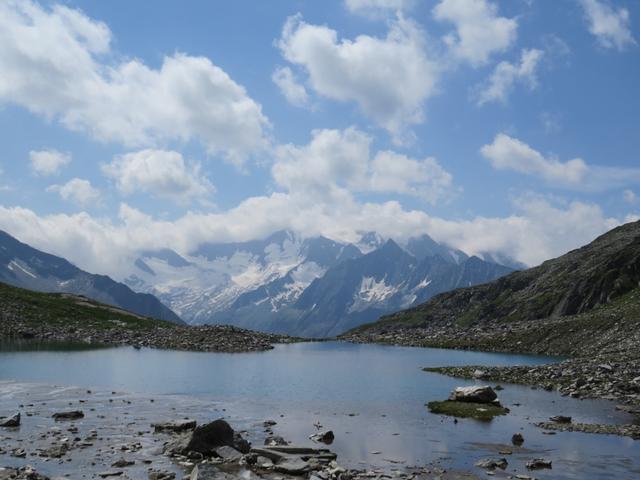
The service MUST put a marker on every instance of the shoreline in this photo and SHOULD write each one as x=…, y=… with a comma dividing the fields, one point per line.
x=128, y=435
x=598, y=364
x=205, y=338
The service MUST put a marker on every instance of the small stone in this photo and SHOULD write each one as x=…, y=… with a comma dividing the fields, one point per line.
x=72, y=415
x=538, y=463
x=492, y=463
x=560, y=419
x=517, y=439
x=12, y=421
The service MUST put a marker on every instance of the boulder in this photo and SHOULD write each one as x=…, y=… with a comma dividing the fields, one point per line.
x=13, y=421
x=205, y=439
x=475, y=394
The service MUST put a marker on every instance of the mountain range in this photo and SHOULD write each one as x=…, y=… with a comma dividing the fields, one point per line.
x=581, y=284
x=25, y=267
x=313, y=287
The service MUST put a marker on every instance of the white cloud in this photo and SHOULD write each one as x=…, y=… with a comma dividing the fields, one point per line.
x=377, y=7
x=395, y=173
x=48, y=162
x=161, y=173
x=629, y=196
x=537, y=229
x=480, y=32
x=77, y=190
x=54, y=63
x=389, y=78
x=505, y=76
x=508, y=153
x=336, y=163
x=610, y=26
x=294, y=92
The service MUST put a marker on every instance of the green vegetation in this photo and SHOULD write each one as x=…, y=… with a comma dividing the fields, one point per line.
x=36, y=308
x=478, y=411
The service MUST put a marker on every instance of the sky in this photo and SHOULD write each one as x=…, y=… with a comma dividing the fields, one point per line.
x=496, y=127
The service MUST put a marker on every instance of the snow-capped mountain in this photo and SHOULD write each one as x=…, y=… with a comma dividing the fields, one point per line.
x=218, y=278
x=25, y=267
x=383, y=281
x=313, y=286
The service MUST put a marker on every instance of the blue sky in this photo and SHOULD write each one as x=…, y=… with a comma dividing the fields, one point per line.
x=500, y=127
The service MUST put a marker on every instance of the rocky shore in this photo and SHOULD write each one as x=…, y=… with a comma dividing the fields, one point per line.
x=603, y=351
x=604, y=363
x=210, y=338
x=75, y=433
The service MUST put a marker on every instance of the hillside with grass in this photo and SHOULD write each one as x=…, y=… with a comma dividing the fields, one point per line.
x=576, y=286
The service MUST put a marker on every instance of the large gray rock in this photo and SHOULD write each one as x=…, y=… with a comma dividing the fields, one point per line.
x=475, y=394
x=205, y=439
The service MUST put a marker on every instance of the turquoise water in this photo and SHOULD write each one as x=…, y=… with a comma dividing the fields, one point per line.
x=372, y=397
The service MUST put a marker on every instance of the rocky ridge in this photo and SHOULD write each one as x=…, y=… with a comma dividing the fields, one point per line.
x=60, y=317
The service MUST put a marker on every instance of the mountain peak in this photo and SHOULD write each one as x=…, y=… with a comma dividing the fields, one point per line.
x=369, y=241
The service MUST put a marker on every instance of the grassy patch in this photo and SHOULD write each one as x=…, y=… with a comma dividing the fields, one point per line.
x=479, y=411
x=36, y=308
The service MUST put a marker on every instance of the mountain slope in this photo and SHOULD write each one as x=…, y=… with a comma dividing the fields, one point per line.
x=385, y=280
x=39, y=309
x=241, y=283
x=25, y=267
x=572, y=284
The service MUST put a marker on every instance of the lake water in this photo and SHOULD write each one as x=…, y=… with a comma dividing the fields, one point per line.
x=373, y=398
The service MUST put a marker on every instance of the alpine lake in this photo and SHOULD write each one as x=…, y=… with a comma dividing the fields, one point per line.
x=372, y=397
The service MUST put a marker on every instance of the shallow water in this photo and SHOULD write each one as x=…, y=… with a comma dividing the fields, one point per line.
x=371, y=396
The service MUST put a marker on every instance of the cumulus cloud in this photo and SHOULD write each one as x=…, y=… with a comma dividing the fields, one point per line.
x=506, y=75
x=55, y=63
x=508, y=153
x=610, y=26
x=293, y=91
x=335, y=160
x=77, y=190
x=161, y=173
x=480, y=31
x=48, y=162
x=389, y=78
x=538, y=229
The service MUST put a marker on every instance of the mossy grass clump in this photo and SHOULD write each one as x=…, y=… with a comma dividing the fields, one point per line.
x=479, y=411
